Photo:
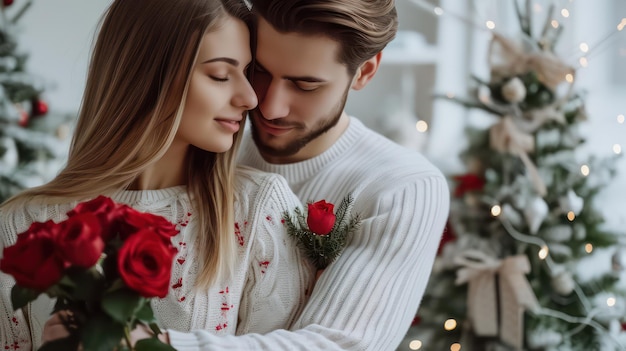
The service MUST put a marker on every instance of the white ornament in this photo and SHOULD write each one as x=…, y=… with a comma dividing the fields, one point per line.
x=571, y=202
x=563, y=283
x=535, y=213
x=514, y=90
x=10, y=157
x=544, y=338
x=547, y=138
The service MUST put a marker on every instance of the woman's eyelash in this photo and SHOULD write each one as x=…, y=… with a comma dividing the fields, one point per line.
x=219, y=79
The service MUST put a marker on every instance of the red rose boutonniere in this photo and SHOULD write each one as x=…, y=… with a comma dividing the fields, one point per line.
x=321, y=233
x=103, y=264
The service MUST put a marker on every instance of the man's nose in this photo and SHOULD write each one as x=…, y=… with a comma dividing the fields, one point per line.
x=275, y=102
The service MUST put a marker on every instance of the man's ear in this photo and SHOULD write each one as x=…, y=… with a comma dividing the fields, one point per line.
x=366, y=72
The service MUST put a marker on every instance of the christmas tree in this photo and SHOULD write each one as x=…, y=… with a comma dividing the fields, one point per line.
x=32, y=139
x=523, y=220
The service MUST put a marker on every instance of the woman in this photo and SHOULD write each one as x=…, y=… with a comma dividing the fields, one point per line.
x=160, y=122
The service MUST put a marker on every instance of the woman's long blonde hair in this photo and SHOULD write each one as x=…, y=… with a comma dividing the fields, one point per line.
x=135, y=92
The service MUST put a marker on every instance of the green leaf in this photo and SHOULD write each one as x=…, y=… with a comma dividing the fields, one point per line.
x=121, y=305
x=101, y=333
x=21, y=296
x=145, y=313
x=88, y=284
x=152, y=344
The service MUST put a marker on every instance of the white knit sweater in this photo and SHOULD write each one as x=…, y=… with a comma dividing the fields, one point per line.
x=266, y=293
x=368, y=297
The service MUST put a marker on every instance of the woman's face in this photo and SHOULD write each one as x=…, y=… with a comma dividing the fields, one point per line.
x=219, y=92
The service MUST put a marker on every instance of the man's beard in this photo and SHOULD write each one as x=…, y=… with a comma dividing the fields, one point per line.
x=292, y=147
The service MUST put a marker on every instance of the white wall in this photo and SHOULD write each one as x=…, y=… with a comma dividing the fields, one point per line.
x=57, y=35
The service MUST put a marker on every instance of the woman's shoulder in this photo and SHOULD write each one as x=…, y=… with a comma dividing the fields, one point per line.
x=248, y=178
x=15, y=219
x=255, y=188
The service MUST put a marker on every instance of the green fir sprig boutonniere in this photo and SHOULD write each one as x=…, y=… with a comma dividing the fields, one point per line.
x=321, y=233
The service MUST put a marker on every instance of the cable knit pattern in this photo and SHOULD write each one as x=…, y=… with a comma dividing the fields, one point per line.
x=266, y=293
x=368, y=297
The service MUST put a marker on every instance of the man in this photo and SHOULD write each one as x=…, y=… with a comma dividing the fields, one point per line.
x=310, y=54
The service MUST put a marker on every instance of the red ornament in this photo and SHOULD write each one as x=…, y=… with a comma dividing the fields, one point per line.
x=24, y=118
x=7, y=2
x=623, y=326
x=468, y=182
x=40, y=108
x=417, y=320
x=448, y=236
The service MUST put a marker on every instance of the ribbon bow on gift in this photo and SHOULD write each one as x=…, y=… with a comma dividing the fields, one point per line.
x=506, y=136
x=515, y=294
x=507, y=58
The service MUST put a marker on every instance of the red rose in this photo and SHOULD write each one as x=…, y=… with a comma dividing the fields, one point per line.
x=321, y=218
x=34, y=261
x=80, y=241
x=131, y=221
x=105, y=209
x=145, y=263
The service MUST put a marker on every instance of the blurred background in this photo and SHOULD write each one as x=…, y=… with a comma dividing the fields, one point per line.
x=521, y=103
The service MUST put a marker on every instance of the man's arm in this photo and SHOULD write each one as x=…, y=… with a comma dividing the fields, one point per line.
x=367, y=298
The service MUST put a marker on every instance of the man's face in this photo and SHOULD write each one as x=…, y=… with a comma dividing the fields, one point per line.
x=302, y=90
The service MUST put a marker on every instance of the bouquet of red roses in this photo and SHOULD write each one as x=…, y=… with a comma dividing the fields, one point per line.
x=321, y=233
x=102, y=264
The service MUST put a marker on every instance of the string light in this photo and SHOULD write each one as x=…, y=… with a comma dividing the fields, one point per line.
x=584, y=169
x=565, y=13
x=555, y=24
x=415, y=345
x=455, y=347
x=569, y=78
x=450, y=95
x=571, y=215
x=620, y=119
x=584, y=47
x=421, y=126
x=438, y=11
x=588, y=248
x=622, y=24
x=617, y=149
x=537, y=8
x=610, y=301
x=490, y=25
x=543, y=253
x=449, y=324
x=583, y=61
x=496, y=210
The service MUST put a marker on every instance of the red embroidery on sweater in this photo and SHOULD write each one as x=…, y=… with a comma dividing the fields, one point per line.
x=178, y=284
x=182, y=299
x=188, y=214
x=14, y=320
x=269, y=219
x=240, y=238
x=221, y=326
x=282, y=221
x=264, y=265
x=225, y=291
x=181, y=260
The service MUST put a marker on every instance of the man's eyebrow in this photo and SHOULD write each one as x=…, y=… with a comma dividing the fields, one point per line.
x=223, y=59
x=307, y=79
